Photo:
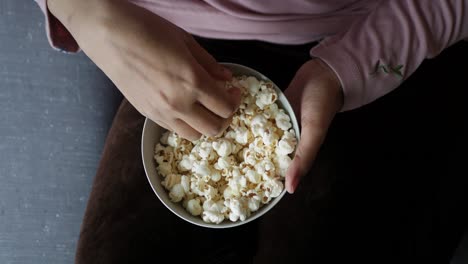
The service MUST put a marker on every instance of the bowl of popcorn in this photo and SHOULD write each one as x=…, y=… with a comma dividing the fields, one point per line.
x=235, y=177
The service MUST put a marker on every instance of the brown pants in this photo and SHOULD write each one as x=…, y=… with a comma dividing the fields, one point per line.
x=387, y=185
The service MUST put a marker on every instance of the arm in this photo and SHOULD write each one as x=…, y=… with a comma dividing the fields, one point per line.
x=396, y=32
x=157, y=66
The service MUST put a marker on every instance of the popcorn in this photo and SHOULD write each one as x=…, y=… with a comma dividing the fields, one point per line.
x=232, y=175
x=258, y=124
x=254, y=203
x=253, y=176
x=287, y=144
x=177, y=193
x=224, y=163
x=205, y=150
x=283, y=121
x=253, y=85
x=282, y=163
x=173, y=140
x=273, y=188
x=164, y=168
x=238, y=209
x=271, y=111
x=185, y=164
x=223, y=147
x=194, y=207
x=213, y=212
x=265, y=97
x=201, y=169
x=210, y=192
x=164, y=137
x=171, y=180
x=185, y=183
x=242, y=135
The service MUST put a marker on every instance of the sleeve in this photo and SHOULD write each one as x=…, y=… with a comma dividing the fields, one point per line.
x=381, y=50
x=59, y=37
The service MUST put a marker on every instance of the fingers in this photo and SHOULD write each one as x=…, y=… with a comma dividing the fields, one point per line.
x=220, y=101
x=312, y=136
x=208, y=62
x=205, y=122
x=212, y=93
x=184, y=130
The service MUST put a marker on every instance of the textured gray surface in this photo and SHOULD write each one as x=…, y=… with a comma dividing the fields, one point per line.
x=55, y=110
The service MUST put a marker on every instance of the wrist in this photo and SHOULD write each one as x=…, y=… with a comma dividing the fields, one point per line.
x=73, y=14
x=333, y=83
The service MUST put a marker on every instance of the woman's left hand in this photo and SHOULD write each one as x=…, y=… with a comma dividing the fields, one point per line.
x=316, y=96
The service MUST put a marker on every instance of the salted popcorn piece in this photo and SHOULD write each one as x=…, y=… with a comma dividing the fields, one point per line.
x=282, y=164
x=185, y=183
x=254, y=203
x=231, y=134
x=164, y=137
x=164, y=169
x=249, y=157
x=270, y=137
x=228, y=193
x=242, y=135
x=237, y=184
x=170, y=180
x=253, y=85
x=215, y=176
x=197, y=186
x=286, y=146
x=194, y=207
x=201, y=169
x=266, y=168
x=173, y=140
x=270, y=111
x=249, y=110
x=258, y=124
x=185, y=164
x=265, y=97
x=223, y=147
x=205, y=149
x=177, y=193
x=164, y=154
x=273, y=188
x=210, y=192
x=213, y=212
x=224, y=162
x=253, y=176
x=283, y=121
x=239, y=209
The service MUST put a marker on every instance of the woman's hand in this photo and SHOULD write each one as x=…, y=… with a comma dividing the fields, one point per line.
x=158, y=67
x=316, y=96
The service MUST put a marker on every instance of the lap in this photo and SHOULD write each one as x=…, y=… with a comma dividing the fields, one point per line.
x=393, y=165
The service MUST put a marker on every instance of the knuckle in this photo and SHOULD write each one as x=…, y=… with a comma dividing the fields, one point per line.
x=173, y=102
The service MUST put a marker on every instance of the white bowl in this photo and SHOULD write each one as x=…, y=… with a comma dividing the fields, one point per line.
x=152, y=133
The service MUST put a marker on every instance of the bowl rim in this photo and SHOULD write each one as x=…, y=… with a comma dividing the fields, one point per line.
x=225, y=223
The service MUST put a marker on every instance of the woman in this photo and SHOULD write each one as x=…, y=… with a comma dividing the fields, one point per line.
x=365, y=50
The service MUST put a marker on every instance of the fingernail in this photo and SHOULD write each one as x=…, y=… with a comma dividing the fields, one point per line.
x=293, y=175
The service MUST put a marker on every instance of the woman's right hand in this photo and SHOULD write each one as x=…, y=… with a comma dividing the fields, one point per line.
x=160, y=69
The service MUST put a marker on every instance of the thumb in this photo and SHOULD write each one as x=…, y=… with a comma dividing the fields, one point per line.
x=207, y=61
x=312, y=136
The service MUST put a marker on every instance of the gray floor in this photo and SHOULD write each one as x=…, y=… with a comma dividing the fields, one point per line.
x=55, y=111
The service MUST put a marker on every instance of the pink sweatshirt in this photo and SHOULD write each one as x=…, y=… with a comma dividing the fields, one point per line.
x=372, y=45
